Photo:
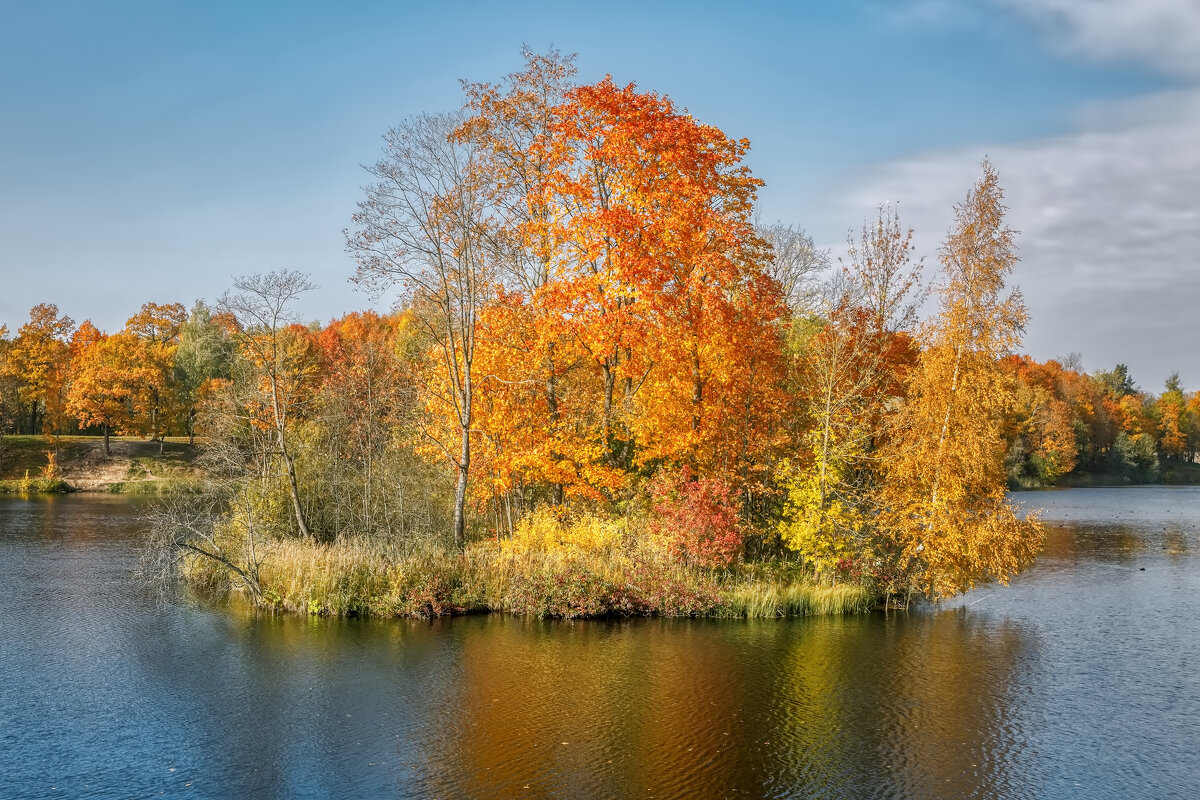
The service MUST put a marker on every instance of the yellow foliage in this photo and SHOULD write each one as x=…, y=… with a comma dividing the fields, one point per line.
x=818, y=523
x=548, y=531
x=947, y=512
x=51, y=468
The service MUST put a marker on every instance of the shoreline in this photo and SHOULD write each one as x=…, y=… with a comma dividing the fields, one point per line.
x=78, y=464
x=347, y=580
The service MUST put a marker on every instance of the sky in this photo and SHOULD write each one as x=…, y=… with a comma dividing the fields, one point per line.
x=153, y=150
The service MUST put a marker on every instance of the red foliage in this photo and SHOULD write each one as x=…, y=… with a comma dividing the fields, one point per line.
x=699, y=517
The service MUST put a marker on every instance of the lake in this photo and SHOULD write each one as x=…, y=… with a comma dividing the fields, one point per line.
x=1081, y=679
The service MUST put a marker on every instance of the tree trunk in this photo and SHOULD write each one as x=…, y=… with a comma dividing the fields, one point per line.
x=295, y=492
x=460, y=492
x=107, y=451
x=293, y=488
x=937, y=474
x=556, y=496
x=281, y=440
x=605, y=427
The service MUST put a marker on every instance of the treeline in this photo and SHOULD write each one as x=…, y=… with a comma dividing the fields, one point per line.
x=57, y=378
x=1069, y=426
x=599, y=350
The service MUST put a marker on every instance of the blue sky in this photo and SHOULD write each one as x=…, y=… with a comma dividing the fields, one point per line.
x=152, y=150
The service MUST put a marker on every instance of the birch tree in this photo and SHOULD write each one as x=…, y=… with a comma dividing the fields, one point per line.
x=263, y=304
x=850, y=367
x=948, y=514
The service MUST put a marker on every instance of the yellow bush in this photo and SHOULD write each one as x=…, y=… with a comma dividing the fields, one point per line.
x=549, y=531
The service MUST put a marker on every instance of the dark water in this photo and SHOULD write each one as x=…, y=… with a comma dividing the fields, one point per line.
x=1082, y=679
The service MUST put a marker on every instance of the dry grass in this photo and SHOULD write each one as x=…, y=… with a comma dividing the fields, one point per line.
x=355, y=578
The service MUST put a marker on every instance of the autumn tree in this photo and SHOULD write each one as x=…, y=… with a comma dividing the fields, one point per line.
x=1042, y=427
x=156, y=328
x=1172, y=421
x=635, y=308
x=278, y=360
x=423, y=227
x=850, y=367
x=1132, y=452
x=1192, y=414
x=110, y=374
x=10, y=405
x=947, y=515
x=38, y=359
x=1094, y=427
x=654, y=250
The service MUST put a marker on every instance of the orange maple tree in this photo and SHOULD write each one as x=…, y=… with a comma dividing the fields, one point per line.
x=109, y=377
x=655, y=278
x=156, y=328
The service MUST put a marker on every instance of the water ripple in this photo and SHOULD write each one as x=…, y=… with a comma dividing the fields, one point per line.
x=1079, y=680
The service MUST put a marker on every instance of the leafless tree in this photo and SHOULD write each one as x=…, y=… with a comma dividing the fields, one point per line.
x=187, y=525
x=887, y=280
x=263, y=305
x=509, y=121
x=797, y=264
x=423, y=227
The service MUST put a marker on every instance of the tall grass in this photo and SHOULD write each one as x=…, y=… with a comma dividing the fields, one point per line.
x=758, y=598
x=363, y=579
x=156, y=486
x=28, y=485
x=360, y=578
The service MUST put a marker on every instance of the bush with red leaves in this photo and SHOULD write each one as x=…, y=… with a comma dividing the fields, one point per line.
x=698, y=518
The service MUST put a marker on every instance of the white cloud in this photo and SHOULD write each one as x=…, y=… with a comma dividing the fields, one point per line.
x=1162, y=33
x=1109, y=214
x=1110, y=230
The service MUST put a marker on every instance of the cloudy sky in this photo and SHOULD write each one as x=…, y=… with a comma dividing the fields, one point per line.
x=152, y=150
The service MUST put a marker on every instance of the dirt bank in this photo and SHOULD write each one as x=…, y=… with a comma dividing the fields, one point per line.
x=134, y=465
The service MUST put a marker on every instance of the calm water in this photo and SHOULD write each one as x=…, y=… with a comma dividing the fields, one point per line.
x=1082, y=679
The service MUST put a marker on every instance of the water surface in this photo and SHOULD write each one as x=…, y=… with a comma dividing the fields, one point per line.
x=1078, y=680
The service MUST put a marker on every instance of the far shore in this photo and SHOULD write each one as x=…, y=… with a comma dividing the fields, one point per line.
x=139, y=466
x=134, y=466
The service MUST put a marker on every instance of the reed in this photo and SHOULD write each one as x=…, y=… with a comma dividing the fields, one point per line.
x=761, y=598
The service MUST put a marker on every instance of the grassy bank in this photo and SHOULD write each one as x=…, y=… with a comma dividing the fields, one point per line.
x=37, y=465
x=29, y=485
x=361, y=579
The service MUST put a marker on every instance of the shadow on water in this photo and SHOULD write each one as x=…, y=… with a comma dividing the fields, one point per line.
x=1077, y=681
